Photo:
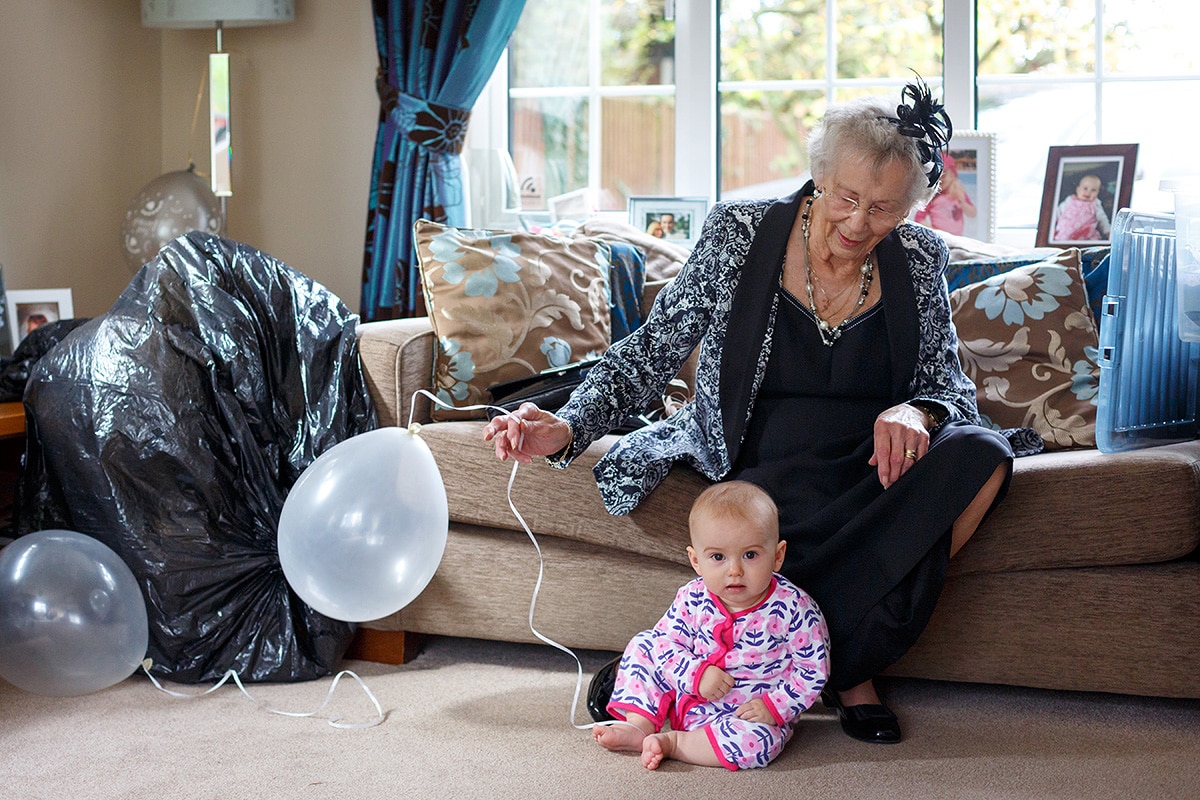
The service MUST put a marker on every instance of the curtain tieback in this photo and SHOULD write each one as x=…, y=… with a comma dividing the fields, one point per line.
x=436, y=127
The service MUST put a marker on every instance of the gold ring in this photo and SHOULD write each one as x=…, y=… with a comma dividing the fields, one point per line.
x=911, y=454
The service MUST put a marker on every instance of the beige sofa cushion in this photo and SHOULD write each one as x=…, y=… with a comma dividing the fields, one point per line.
x=1073, y=508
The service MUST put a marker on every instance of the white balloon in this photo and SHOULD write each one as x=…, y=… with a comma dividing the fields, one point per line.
x=364, y=528
x=72, y=617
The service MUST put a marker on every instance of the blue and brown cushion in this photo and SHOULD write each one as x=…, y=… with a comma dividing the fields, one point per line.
x=1028, y=340
x=1093, y=264
x=509, y=304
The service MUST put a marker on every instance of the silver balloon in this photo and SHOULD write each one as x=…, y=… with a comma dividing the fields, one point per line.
x=364, y=528
x=72, y=618
x=168, y=206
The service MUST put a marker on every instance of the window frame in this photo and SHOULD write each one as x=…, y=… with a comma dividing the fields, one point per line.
x=697, y=90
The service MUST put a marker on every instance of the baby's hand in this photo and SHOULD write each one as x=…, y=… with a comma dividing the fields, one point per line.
x=755, y=711
x=715, y=683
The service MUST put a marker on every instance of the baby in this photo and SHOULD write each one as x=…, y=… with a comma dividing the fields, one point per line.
x=736, y=658
x=950, y=207
x=1081, y=216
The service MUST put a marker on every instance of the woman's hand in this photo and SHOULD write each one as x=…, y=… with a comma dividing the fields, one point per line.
x=527, y=432
x=901, y=440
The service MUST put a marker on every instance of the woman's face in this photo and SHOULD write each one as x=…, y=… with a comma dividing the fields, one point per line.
x=861, y=206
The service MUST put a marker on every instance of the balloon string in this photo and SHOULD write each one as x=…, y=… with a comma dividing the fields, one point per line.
x=231, y=675
x=537, y=587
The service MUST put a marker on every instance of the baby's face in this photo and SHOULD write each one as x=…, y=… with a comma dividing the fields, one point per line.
x=735, y=559
x=1088, y=189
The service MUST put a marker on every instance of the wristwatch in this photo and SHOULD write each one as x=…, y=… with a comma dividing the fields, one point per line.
x=935, y=414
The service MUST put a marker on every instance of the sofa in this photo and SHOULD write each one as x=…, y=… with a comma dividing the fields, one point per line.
x=1085, y=578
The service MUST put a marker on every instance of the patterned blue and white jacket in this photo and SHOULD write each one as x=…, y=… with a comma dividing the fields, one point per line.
x=724, y=300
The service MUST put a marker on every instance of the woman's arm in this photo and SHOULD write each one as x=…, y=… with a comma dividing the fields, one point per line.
x=940, y=389
x=632, y=373
x=939, y=379
x=635, y=371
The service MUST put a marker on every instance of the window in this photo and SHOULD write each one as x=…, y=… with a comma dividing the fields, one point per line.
x=623, y=97
x=592, y=100
x=1070, y=72
x=783, y=61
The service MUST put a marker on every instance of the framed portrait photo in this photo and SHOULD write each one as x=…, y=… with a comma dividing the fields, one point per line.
x=1085, y=187
x=29, y=309
x=965, y=205
x=572, y=205
x=677, y=219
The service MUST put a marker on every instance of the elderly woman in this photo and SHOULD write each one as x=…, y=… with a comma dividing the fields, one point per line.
x=828, y=374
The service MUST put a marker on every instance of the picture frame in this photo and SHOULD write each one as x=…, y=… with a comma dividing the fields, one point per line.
x=573, y=205
x=1098, y=180
x=679, y=219
x=965, y=205
x=28, y=309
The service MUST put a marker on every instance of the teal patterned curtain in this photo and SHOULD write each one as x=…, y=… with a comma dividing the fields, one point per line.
x=434, y=58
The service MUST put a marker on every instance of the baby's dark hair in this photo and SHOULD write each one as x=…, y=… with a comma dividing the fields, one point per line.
x=740, y=500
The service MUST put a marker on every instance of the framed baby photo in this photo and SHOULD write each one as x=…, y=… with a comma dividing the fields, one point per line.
x=29, y=309
x=1085, y=187
x=965, y=204
x=675, y=218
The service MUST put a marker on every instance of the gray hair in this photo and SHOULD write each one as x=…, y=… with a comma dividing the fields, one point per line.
x=855, y=130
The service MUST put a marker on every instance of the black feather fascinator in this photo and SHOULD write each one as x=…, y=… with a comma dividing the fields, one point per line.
x=925, y=120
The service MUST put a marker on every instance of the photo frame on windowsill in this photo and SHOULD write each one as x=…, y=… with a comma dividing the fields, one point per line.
x=965, y=205
x=677, y=219
x=1085, y=186
x=29, y=309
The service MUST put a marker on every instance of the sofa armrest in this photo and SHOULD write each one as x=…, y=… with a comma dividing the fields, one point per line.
x=397, y=360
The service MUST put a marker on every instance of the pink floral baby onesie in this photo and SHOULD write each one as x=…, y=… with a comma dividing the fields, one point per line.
x=1081, y=221
x=777, y=651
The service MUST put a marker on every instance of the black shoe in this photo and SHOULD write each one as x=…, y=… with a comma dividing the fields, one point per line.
x=867, y=722
x=601, y=689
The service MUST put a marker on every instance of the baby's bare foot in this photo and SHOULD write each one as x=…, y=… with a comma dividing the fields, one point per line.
x=618, y=736
x=657, y=747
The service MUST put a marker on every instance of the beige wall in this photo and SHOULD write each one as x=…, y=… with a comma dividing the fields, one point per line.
x=93, y=107
x=79, y=135
x=303, y=119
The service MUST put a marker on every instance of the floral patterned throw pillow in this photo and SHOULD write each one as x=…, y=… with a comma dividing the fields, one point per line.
x=1028, y=340
x=508, y=304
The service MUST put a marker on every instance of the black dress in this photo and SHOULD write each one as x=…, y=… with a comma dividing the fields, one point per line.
x=873, y=559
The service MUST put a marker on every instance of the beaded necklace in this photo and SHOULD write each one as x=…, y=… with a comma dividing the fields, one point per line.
x=831, y=333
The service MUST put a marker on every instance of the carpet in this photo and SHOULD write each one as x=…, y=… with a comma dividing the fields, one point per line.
x=473, y=719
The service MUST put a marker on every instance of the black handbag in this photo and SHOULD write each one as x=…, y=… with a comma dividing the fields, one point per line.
x=549, y=390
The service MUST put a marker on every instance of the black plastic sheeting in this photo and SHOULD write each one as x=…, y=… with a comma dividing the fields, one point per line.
x=171, y=429
x=14, y=372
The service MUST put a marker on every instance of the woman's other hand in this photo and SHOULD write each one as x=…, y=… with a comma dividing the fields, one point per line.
x=527, y=432
x=901, y=440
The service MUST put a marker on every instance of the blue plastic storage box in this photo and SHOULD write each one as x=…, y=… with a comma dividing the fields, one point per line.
x=1148, y=374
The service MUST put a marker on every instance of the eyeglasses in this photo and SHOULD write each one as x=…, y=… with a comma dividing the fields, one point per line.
x=877, y=218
